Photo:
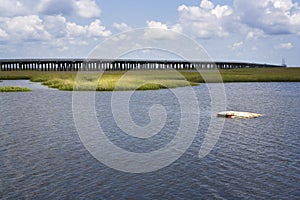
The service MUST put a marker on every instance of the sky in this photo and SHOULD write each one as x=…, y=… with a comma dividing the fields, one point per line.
x=263, y=31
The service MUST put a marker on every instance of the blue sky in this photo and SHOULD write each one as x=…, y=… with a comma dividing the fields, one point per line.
x=262, y=31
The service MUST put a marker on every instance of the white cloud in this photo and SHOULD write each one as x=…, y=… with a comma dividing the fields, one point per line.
x=206, y=20
x=158, y=30
x=254, y=34
x=250, y=35
x=222, y=11
x=155, y=24
x=284, y=5
x=3, y=34
x=87, y=8
x=81, y=8
x=121, y=37
x=237, y=45
x=253, y=19
x=52, y=30
x=160, y=25
x=11, y=8
x=75, y=30
x=207, y=4
x=96, y=29
x=56, y=25
x=122, y=27
x=271, y=16
x=27, y=20
x=177, y=28
x=25, y=28
x=287, y=45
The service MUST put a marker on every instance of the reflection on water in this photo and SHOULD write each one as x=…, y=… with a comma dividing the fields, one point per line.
x=42, y=156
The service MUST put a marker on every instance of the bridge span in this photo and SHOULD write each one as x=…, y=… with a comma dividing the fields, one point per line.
x=119, y=64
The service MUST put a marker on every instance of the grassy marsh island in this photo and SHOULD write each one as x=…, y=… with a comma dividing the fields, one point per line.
x=109, y=81
x=14, y=89
x=149, y=80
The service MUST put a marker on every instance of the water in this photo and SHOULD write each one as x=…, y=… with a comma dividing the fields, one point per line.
x=42, y=157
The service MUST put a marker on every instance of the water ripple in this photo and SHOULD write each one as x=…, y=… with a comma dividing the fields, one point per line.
x=42, y=156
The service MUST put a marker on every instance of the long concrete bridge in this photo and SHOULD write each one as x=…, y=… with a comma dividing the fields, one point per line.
x=119, y=64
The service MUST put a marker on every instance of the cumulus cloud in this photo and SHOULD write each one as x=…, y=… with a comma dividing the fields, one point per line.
x=206, y=20
x=122, y=27
x=271, y=16
x=51, y=29
x=75, y=30
x=25, y=28
x=205, y=4
x=10, y=8
x=96, y=29
x=160, y=25
x=253, y=19
x=156, y=24
x=287, y=45
x=27, y=20
x=159, y=30
x=87, y=8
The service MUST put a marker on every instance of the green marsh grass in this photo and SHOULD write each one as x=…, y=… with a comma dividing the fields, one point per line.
x=261, y=75
x=149, y=80
x=14, y=89
x=248, y=75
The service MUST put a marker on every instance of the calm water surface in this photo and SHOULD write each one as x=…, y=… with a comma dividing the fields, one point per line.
x=42, y=157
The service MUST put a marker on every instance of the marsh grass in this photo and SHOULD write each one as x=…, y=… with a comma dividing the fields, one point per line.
x=149, y=80
x=14, y=89
x=248, y=75
x=131, y=80
x=261, y=75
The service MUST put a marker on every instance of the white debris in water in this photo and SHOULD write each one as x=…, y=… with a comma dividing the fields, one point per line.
x=236, y=114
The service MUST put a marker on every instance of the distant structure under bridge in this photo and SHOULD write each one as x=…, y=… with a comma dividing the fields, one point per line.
x=119, y=64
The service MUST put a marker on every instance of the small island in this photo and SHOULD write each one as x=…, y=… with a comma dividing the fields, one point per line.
x=14, y=89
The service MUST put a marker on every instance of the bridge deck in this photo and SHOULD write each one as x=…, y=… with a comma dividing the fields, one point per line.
x=118, y=64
